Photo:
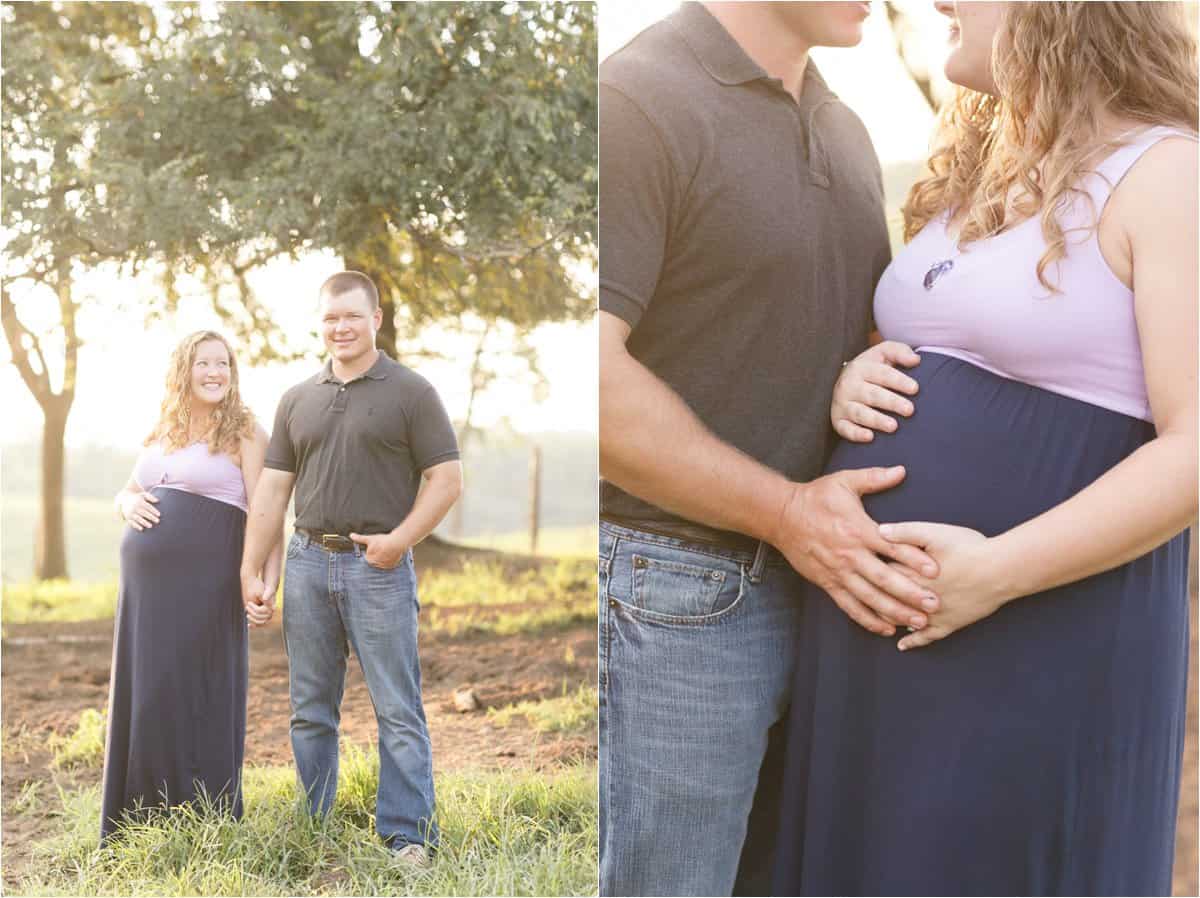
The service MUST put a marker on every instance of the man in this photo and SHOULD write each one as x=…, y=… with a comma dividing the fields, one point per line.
x=741, y=233
x=356, y=440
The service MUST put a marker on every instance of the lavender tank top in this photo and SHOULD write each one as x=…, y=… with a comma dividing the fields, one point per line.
x=192, y=469
x=987, y=307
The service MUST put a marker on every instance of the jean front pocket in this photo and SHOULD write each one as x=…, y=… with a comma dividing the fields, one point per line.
x=684, y=589
x=295, y=544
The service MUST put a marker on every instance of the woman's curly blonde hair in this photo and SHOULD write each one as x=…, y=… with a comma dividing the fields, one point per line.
x=1058, y=68
x=230, y=421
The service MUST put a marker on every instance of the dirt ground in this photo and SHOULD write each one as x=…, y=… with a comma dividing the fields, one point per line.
x=54, y=672
x=51, y=673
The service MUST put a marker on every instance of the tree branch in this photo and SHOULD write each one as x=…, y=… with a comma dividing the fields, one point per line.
x=14, y=330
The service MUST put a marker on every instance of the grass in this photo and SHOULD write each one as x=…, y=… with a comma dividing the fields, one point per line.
x=58, y=601
x=93, y=535
x=503, y=833
x=482, y=598
x=565, y=713
x=553, y=541
x=84, y=747
x=486, y=583
x=485, y=599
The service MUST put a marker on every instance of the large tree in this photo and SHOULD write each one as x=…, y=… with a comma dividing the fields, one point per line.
x=448, y=150
x=59, y=62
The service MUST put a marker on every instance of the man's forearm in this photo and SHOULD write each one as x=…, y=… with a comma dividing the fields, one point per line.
x=264, y=527
x=654, y=447
x=431, y=505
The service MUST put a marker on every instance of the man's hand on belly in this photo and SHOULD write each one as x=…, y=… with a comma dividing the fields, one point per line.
x=829, y=539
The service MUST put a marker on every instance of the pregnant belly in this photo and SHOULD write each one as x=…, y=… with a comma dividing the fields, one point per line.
x=194, y=534
x=986, y=452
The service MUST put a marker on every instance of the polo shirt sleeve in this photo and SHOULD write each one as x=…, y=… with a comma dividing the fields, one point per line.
x=639, y=189
x=281, y=453
x=430, y=433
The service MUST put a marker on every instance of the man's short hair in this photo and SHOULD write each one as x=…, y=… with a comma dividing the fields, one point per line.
x=345, y=281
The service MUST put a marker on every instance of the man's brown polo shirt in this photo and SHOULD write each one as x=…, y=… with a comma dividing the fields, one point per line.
x=358, y=448
x=741, y=235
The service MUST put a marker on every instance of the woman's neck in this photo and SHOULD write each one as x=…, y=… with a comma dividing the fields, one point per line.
x=198, y=424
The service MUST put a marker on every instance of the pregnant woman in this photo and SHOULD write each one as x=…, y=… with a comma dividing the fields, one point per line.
x=177, y=695
x=1027, y=740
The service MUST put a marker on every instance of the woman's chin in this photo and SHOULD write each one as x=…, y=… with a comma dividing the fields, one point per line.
x=207, y=403
x=961, y=72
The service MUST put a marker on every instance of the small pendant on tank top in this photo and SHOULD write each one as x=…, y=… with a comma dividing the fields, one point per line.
x=936, y=271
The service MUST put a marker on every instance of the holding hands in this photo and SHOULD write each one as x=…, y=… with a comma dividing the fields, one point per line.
x=258, y=597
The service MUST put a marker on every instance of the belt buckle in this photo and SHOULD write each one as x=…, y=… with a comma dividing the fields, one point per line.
x=333, y=542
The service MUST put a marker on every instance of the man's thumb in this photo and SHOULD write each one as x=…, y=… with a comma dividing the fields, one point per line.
x=875, y=480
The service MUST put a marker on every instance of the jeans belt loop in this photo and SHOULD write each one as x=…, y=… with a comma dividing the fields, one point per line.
x=760, y=562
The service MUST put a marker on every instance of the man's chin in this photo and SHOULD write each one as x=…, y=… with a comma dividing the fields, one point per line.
x=851, y=37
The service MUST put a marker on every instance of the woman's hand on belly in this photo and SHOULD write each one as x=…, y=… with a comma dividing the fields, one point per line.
x=870, y=385
x=966, y=591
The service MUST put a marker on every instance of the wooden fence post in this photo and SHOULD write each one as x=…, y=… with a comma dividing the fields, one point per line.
x=535, y=496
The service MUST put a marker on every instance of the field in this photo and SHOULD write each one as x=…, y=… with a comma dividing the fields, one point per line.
x=493, y=511
x=515, y=779
x=94, y=532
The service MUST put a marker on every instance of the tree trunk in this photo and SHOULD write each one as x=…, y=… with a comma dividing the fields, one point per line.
x=50, y=539
x=386, y=338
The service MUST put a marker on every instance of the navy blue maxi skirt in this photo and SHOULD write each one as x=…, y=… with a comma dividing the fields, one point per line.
x=1036, y=752
x=177, y=693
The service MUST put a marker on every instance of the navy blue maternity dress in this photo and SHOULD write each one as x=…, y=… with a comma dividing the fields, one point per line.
x=1038, y=751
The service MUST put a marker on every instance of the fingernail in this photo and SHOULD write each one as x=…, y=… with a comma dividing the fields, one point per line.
x=886, y=530
x=929, y=570
x=897, y=469
x=917, y=622
x=929, y=602
x=901, y=646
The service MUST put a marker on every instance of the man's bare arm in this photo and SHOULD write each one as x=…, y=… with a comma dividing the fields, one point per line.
x=264, y=522
x=654, y=447
x=442, y=487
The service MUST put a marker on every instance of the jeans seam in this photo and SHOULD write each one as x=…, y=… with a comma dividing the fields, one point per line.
x=606, y=685
x=607, y=635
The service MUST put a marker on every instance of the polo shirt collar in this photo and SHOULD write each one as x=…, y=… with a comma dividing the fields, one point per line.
x=725, y=60
x=722, y=57
x=378, y=371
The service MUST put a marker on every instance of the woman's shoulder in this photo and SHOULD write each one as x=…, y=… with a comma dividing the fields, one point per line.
x=253, y=442
x=1163, y=179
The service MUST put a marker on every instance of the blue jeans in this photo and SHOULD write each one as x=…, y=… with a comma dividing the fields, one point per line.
x=696, y=659
x=333, y=601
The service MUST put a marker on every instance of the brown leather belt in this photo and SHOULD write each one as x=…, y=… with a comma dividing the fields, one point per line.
x=330, y=542
x=689, y=532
